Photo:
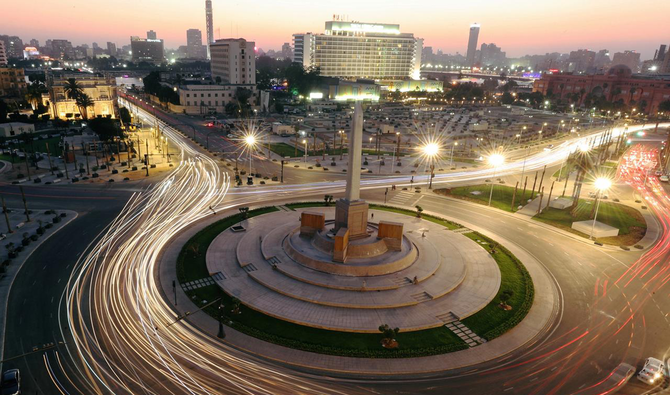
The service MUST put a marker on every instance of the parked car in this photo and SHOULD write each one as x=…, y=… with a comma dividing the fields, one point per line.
x=652, y=370
x=663, y=178
x=11, y=382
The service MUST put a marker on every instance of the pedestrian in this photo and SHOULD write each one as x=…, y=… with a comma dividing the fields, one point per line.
x=372, y=215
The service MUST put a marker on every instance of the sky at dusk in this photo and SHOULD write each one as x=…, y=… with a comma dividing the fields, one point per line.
x=520, y=27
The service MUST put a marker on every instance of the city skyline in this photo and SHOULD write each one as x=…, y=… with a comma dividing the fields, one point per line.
x=445, y=27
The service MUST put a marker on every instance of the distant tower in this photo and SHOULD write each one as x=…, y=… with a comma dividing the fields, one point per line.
x=210, y=25
x=472, y=44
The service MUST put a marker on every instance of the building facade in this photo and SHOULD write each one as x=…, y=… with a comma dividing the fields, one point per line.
x=100, y=88
x=147, y=50
x=234, y=61
x=618, y=84
x=631, y=59
x=473, y=38
x=3, y=54
x=12, y=82
x=111, y=48
x=353, y=50
x=13, y=46
x=209, y=99
x=581, y=61
x=194, y=47
x=61, y=49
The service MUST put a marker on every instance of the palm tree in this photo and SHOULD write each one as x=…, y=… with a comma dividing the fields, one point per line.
x=84, y=101
x=73, y=89
x=34, y=94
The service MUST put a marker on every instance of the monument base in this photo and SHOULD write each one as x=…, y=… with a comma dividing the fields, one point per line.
x=352, y=215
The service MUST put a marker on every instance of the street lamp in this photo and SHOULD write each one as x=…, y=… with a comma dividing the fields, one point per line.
x=602, y=184
x=304, y=141
x=452, y=153
x=250, y=141
x=495, y=160
x=430, y=150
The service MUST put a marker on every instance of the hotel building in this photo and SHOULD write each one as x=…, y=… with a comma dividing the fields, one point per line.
x=354, y=50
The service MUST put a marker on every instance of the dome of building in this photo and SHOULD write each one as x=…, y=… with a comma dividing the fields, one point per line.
x=620, y=70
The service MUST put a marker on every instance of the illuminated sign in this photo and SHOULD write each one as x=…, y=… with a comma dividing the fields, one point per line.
x=316, y=95
x=362, y=27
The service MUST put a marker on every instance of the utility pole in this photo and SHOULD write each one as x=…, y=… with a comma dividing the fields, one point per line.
x=65, y=161
x=4, y=210
x=514, y=195
x=25, y=204
x=532, y=193
x=25, y=154
x=551, y=190
x=282, y=170
x=83, y=148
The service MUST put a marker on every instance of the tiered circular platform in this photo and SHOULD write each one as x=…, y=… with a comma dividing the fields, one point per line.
x=437, y=277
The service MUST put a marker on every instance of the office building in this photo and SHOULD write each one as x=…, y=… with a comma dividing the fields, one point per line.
x=631, y=59
x=111, y=49
x=581, y=61
x=234, y=61
x=617, y=84
x=208, y=99
x=151, y=35
x=355, y=50
x=472, y=44
x=12, y=82
x=491, y=55
x=102, y=89
x=194, y=47
x=3, y=54
x=147, y=50
x=35, y=43
x=209, y=25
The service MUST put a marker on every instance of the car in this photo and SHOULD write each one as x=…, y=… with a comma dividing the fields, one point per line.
x=652, y=370
x=663, y=178
x=11, y=382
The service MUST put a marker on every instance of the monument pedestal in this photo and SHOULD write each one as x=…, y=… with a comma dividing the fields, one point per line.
x=352, y=215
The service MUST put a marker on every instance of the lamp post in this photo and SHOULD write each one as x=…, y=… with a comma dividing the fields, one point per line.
x=304, y=141
x=451, y=161
x=602, y=184
x=495, y=160
x=250, y=141
x=341, y=132
x=430, y=150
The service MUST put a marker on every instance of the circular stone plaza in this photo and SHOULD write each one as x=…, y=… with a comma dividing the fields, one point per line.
x=351, y=269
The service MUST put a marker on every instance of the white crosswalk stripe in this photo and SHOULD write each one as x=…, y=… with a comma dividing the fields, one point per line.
x=403, y=198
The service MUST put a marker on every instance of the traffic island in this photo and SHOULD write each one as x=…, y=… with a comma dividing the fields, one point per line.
x=437, y=303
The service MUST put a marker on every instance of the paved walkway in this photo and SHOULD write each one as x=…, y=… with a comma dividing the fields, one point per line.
x=539, y=319
x=458, y=278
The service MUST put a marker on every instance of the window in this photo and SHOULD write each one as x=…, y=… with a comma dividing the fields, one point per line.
x=202, y=95
x=188, y=103
x=216, y=103
x=209, y=95
x=188, y=95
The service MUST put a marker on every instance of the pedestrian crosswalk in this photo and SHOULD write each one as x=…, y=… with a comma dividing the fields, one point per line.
x=404, y=198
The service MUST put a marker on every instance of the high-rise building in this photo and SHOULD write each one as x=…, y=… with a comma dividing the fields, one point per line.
x=602, y=59
x=627, y=58
x=234, y=61
x=194, y=47
x=151, y=35
x=111, y=48
x=147, y=50
x=302, y=49
x=665, y=66
x=13, y=46
x=62, y=49
x=660, y=53
x=581, y=61
x=12, y=82
x=472, y=44
x=3, y=54
x=286, y=51
x=353, y=50
x=35, y=43
x=491, y=55
x=209, y=25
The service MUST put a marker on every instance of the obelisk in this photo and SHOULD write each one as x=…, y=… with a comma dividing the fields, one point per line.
x=351, y=212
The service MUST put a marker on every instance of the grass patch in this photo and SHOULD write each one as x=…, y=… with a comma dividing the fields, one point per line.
x=284, y=150
x=40, y=146
x=566, y=169
x=488, y=323
x=630, y=222
x=501, y=199
x=492, y=321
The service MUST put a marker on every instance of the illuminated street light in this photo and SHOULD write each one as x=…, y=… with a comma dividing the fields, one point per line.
x=495, y=160
x=250, y=140
x=602, y=184
x=431, y=150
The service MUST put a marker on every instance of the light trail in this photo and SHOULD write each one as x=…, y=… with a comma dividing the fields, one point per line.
x=119, y=319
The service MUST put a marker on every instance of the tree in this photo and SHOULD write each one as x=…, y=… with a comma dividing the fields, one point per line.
x=328, y=199
x=664, y=106
x=4, y=109
x=419, y=210
x=507, y=98
x=244, y=211
x=84, y=101
x=34, y=94
x=505, y=296
x=72, y=89
x=279, y=107
x=388, y=341
x=218, y=79
x=105, y=128
x=124, y=114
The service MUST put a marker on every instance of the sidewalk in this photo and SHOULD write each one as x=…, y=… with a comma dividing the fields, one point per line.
x=539, y=319
x=17, y=217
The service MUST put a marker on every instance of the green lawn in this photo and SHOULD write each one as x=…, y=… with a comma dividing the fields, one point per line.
x=493, y=321
x=567, y=168
x=285, y=150
x=40, y=146
x=502, y=195
x=488, y=323
x=630, y=222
